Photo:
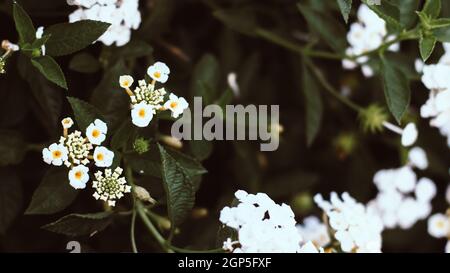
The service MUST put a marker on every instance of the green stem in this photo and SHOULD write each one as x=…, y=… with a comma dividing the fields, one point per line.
x=323, y=81
x=133, y=224
x=183, y=250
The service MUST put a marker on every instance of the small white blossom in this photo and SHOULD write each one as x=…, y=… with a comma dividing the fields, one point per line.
x=409, y=135
x=142, y=114
x=418, y=158
x=79, y=176
x=67, y=123
x=109, y=186
x=39, y=34
x=425, y=190
x=103, y=157
x=159, y=72
x=55, y=154
x=96, y=132
x=439, y=225
x=176, y=104
x=126, y=81
x=78, y=147
x=315, y=231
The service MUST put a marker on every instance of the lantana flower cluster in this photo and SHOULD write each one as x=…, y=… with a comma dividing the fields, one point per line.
x=403, y=199
x=262, y=226
x=76, y=152
x=437, y=107
x=365, y=35
x=356, y=227
x=146, y=99
x=123, y=15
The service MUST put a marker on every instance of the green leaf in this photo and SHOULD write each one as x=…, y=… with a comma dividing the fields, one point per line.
x=407, y=10
x=54, y=194
x=10, y=198
x=426, y=46
x=205, y=79
x=313, y=105
x=50, y=69
x=147, y=164
x=432, y=8
x=67, y=38
x=84, y=63
x=239, y=20
x=84, y=113
x=81, y=224
x=329, y=29
x=24, y=25
x=122, y=136
x=180, y=191
x=396, y=89
x=442, y=34
x=12, y=148
x=201, y=149
x=287, y=184
x=388, y=12
x=440, y=23
x=346, y=7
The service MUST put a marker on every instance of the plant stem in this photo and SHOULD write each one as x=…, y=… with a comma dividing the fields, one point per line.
x=322, y=80
x=183, y=250
x=133, y=224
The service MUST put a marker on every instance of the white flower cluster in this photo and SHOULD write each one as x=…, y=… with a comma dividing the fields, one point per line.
x=262, y=226
x=123, y=15
x=366, y=35
x=75, y=151
x=146, y=100
x=402, y=199
x=356, y=227
x=315, y=231
x=437, y=107
x=110, y=186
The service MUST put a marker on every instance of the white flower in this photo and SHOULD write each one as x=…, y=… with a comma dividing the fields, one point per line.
x=425, y=190
x=103, y=157
x=159, y=72
x=315, y=231
x=309, y=247
x=447, y=247
x=405, y=180
x=418, y=158
x=79, y=148
x=39, y=33
x=96, y=132
x=142, y=114
x=176, y=104
x=126, y=81
x=67, y=123
x=55, y=154
x=439, y=225
x=447, y=194
x=419, y=65
x=109, y=186
x=435, y=76
x=79, y=176
x=409, y=135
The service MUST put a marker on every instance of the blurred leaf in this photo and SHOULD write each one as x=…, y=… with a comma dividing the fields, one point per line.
x=84, y=63
x=10, y=198
x=180, y=191
x=442, y=34
x=426, y=46
x=346, y=7
x=12, y=148
x=158, y=21
x=313, y=105
x=407, y=10
x=327, y=27
x=205, y=79
x=54, y=194
x=388, y=12
x=80, y=224
x=289, y=184
x=146, y=164
x=67, y=38
x=84, y=112
x=432, y=8
x=201, y=149
x=240, y=20
x=50, y=69
x=123, y=134
x=134, y=49
x=396, y=89
x=24, y=25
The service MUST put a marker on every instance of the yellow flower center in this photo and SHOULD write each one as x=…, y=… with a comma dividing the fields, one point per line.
x=56, y=154
x=100, y=157
x=78, y=175
x=157, y=74
x=96, y=133
x=173, y=104
x=66, y=121
x=126, y=83
x=141, y=113
x=440, y=224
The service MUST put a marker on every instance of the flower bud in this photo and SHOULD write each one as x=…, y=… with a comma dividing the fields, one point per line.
x=143, y=195
x=198, y=213
x=372, y=118
x=345, y=144
x=2, y=66
x=172, y=142
x=141, y=145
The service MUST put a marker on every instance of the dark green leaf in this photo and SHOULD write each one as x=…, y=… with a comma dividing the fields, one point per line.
x=201, y=149
x=239, y=20
x=388, y=12
x=432, y=8
x=123, y=135
x=84, y=63
x=426, y=46
x=396, y=89
x=328, y=28
x=67, y=38
x=346, y=7
x=12, y=148
x=84, y=112
x=407, y=10
x=147, y=164
x=24, y=25
x=50, y=69
x=205, y=79
x=313, y=105
x=10, y=198
x=80, y=224
x=54, y=194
